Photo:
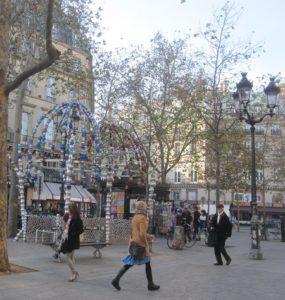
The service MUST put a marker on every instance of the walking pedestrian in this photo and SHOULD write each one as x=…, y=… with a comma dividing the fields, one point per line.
x=203, y=226
x=140, y=236
x=74, y=227
x=222, y=230
x=196, y=217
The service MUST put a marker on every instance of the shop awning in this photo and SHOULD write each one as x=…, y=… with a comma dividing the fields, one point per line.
x=51, y=191
x=268, y=209
x=45, y=193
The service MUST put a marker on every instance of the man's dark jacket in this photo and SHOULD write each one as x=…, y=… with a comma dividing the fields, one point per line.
x=223, y=229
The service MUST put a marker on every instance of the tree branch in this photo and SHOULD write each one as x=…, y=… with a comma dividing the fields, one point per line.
x=52, y=54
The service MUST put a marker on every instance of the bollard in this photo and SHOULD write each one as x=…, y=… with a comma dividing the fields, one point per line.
x=178, y=238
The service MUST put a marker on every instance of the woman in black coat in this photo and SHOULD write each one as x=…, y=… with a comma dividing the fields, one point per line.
x=74, y=227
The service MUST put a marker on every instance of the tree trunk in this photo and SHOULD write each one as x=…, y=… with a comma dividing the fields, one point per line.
x=4, y=38
x=13, y=195
x=218, y=176
x=5, y=89
x=4, y=262
x=163, y=177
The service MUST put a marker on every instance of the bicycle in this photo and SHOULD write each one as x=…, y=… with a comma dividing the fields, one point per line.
x=169, y=238
x=188, y=235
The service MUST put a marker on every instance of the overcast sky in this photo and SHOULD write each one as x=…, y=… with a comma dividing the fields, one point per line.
x=136, y=21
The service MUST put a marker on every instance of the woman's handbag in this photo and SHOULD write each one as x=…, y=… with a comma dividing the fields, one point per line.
x=136, y=250
x=64, y=246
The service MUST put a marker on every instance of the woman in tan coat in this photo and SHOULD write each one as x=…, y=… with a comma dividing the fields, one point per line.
x=139, y=235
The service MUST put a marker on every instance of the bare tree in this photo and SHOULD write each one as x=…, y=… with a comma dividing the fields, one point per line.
x=152, y=92
x=219, y=64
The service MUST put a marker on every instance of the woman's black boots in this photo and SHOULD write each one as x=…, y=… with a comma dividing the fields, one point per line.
x=115, y=281
x=151, y=286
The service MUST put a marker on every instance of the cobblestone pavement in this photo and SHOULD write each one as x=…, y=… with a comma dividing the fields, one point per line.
x=186, y=274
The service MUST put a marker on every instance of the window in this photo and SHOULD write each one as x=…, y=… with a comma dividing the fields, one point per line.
x=193, y=174
x=238, y=197
x=259, y=129
x=176, y=196
x=276, y=174
x=177, y=176
x=247, y=197
x=247, y=128
x=259, y=175
x=177, y=149
x=28, y=87
x=25, y=127
x=193, y=148
x=51, y=164
x=275, y=130
x=192, y=195
x=256, y=109
x=177, y=134
x=51, y=88
x=49, y=134
x=49, y=128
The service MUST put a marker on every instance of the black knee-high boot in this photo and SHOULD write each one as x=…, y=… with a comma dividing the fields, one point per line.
x=115, y=281
x=151, y=286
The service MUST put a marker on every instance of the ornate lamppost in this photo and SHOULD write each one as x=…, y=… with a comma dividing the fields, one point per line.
x=242, y=101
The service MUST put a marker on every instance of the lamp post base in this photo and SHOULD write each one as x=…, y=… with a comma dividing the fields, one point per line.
x=255, y=254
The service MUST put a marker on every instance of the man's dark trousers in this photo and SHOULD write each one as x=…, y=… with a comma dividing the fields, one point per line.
x=220, y=249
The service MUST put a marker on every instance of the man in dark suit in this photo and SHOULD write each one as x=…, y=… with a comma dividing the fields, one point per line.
x=223, y=230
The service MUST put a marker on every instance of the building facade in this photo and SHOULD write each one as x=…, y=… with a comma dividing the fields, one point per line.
x=188, y=184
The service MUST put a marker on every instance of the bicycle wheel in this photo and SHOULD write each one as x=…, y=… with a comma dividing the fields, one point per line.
x=190, y=239
x=203, y=238
x=169, y=239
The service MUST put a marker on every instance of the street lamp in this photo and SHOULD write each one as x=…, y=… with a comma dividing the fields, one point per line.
x=242, y=101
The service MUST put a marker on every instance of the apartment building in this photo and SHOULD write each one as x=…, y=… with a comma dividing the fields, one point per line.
x=70, y=80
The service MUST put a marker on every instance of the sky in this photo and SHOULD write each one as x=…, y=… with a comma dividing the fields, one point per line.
x=130, y=22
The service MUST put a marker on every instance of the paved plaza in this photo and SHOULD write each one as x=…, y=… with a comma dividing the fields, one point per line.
x=185, y=274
